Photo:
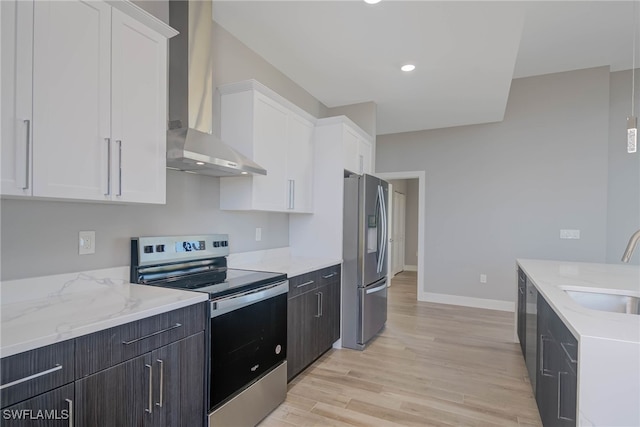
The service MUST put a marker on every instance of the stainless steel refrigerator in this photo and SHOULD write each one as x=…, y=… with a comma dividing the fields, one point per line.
x=364, y=285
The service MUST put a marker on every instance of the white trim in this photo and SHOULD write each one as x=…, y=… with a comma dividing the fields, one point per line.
x=491, y=304
x=422, y=233
x=410, y=267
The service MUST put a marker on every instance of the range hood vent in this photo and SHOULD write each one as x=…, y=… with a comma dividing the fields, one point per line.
x=191, y=146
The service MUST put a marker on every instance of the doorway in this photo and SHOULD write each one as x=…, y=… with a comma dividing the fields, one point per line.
x=420, y=235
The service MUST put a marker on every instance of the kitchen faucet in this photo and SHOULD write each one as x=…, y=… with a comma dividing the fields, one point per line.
x=631, y=246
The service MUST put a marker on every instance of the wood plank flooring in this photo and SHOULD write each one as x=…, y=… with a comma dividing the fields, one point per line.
x=432, y=365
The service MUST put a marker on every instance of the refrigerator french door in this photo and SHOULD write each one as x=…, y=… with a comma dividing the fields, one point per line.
x=365, y=236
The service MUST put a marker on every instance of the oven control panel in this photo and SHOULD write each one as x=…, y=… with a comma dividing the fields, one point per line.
x=156, y=250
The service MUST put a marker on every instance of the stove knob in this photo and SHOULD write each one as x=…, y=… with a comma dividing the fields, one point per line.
x=216, y=244
x=225, y=243
x=159, y=248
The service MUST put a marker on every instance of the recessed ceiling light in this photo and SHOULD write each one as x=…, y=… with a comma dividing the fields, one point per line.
x=408, y=67
x=372, y=1
x=244, y=173
x=199, y=163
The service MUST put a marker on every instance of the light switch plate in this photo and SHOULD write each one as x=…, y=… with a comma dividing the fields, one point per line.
x=86, y=242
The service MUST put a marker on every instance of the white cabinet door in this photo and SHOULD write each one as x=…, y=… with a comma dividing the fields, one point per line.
x=300, y=164
x=350, y=150
x=138, y=111
x=16, y=121
x=364, y=156
x=71, y=99
x=270, y=192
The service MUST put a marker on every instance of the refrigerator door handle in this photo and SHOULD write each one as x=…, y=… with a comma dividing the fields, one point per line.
x=383, y=224
x=376, y=289
x=384, y=229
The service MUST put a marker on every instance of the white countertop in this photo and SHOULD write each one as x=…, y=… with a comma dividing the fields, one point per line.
x=552, y=278
x=279, y=260
x=44, y=310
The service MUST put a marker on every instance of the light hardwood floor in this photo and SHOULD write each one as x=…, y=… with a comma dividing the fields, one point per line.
x=432, y=365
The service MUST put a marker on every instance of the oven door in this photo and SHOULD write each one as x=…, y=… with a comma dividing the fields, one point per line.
x=248, y=339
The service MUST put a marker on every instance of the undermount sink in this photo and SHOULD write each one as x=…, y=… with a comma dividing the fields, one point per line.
x=614, y=303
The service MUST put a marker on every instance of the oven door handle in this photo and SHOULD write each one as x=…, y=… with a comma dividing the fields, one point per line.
x=225, y=305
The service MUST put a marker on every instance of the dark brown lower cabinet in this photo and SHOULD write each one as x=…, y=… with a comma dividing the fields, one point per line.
x=556, y=392
x=149, y=390
x=51, y=409
x=150, y=372
x=313, y=317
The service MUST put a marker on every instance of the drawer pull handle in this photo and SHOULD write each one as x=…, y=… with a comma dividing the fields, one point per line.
x=305, y=284
x=564, y=347
x=31, y=377
x=329, y=276
x=161, y=381
x=149, y=409
x=70, y=403
x=177, y=325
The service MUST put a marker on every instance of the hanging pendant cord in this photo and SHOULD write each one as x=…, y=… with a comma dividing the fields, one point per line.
x=633, y=66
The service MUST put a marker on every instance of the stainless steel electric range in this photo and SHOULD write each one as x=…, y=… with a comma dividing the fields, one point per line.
x=247, y=375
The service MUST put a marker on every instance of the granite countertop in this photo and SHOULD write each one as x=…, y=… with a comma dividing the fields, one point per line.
x=552, y=278
x=279, y=260
x=44, y=310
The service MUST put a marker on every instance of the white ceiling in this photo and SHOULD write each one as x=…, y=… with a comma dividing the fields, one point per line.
x=466, y=52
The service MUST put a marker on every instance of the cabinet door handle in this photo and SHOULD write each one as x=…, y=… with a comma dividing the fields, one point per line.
x=31, y=377
x=560, y=417
x=543, y=339
x=26, y=168
x=108, y=166
x=291, y=185
x=149, y=409
x=70, y=405
x=119, y=167
x=177, y=325
x=310, y=282
x=321, y=303
x=521, y=291
x=563, y=345
x=161, y=363
x=319, y=309
x=329, y=276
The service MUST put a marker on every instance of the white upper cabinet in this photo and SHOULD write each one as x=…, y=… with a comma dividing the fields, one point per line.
x=355, y=145
x=278, y=136
x=97, y=125
x=357, y=150
x=16, y=109
x=138, y=110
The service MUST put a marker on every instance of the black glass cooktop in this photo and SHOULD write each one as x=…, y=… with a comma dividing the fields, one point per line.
x=222, y=281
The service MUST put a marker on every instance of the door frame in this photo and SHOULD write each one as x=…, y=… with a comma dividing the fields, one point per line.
x=421, y=176
x=401, y=221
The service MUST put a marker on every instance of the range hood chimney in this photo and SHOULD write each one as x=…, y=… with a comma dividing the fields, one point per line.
x=191, y=146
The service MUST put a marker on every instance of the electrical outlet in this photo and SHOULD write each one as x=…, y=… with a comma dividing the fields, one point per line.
x=483, y=278
x=258, y=234
x=86, y=242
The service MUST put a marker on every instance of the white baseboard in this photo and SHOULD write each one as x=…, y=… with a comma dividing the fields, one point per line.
x=490, y=304
x=410, y=268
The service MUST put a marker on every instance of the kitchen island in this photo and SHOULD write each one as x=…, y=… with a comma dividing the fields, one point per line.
x=608, y=366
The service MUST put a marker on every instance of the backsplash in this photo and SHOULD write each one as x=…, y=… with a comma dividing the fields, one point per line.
x=41, y=237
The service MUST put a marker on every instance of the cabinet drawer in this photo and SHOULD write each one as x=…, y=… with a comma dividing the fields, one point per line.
x=329, y=275
x=33, y=372
x=106, y=348
x=303, y=283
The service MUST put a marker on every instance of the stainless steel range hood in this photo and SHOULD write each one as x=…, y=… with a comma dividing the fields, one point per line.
x=191, y=146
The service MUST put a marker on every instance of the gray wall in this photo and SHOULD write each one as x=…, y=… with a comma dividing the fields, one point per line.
x=624, y=170
x=501, y=191
x=40, y=237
